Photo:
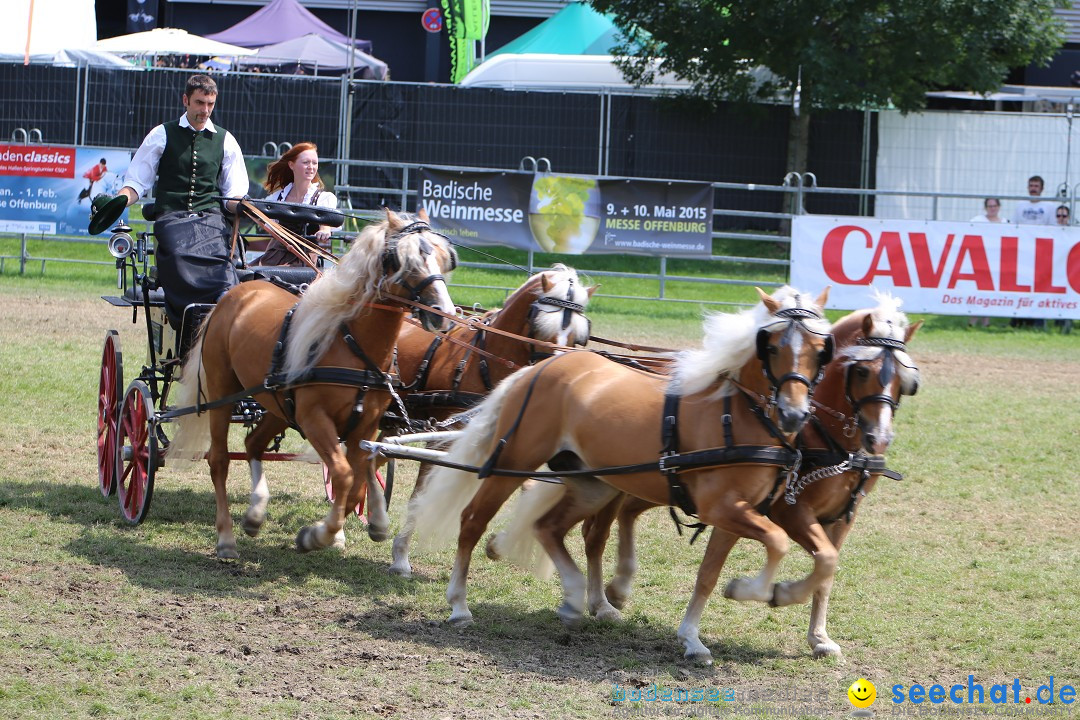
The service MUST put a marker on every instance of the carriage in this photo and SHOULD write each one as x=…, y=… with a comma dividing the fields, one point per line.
x=132, y=419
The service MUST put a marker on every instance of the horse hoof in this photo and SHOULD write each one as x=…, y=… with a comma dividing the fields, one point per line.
x=378, y=534
x=617, y=598
x=461, y=621
x=227, y=552
x=570, y=618
x=827, y=650
x=739, y=589
x=304, y=540
x=491, y=548
x=608, y=614
x=404, y=570
x=250, y=527
x=699, y=658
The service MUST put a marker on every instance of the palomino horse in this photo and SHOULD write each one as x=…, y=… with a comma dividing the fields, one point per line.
x=842, y=447
x=341, y=333
x=445, y=374
x=720, y=427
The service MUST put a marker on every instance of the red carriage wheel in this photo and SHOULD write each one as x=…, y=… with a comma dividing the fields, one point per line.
x=110, y=395
x=359, y=509
x=139, y=456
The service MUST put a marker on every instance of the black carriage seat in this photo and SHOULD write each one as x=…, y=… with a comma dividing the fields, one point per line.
x=297, y=214
x=291, y=213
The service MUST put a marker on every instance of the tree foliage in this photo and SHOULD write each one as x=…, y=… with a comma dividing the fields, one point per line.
x=848, y=53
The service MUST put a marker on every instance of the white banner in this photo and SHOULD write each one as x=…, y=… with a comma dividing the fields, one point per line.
x=948, y=268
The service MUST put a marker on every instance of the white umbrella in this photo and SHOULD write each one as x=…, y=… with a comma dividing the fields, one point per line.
x=168, y=41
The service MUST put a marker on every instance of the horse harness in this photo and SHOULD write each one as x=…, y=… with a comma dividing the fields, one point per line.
x=455, y=398
x=835, y=459
x=371, y=377
x=785, y=457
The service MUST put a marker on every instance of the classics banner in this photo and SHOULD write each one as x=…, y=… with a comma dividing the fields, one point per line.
x=948, y=268
x=571, y=214
x=47, y=189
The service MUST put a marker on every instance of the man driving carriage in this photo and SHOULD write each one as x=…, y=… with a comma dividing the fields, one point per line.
x=193, y=161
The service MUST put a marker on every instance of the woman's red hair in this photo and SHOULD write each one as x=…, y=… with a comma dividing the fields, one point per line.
x=279, y=174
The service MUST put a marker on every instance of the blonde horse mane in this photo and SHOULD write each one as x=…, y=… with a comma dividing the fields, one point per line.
x=729, y=342
x=548, y=321
x=344, y=290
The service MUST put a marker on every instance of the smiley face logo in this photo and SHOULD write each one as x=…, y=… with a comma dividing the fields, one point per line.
x=862, y=693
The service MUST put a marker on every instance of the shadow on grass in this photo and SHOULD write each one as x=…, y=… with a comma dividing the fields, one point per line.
x=166, y=553
x=537, y=642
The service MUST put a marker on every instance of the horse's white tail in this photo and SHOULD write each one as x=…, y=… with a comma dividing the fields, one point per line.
x=517, y=541
x=191, y=438
x=434, y=514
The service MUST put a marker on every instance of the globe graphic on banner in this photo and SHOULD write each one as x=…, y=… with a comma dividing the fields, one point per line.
x=564, y=213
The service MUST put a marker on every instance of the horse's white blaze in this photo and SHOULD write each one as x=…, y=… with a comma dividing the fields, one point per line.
x=443, y=301
x=803, y=406
x=883, y=432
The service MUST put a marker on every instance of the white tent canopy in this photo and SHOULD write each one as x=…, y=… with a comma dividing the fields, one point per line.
x=559, y=72
x=168, y=41
x=54, y=25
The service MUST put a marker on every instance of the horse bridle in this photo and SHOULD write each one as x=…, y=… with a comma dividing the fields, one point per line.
x=392, y=263
x=795, y=318
x=569, y=308
x=889, y=347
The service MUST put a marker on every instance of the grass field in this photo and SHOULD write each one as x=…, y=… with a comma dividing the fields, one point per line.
x=967, y=567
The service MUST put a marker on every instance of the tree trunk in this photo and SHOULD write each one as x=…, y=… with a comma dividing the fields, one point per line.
x=798, y=145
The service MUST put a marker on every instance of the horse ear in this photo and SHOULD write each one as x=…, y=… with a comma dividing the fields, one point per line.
x=393, y=222
x=422, y=214
x=770, y=304
x=912, y=329
x=545, y=283
x=867, y=324
x=823, y=297
x=591, y=289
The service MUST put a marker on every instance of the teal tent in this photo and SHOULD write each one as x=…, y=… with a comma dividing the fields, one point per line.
x=577, y=29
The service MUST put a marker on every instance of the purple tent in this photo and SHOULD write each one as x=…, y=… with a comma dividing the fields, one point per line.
x=279, y=21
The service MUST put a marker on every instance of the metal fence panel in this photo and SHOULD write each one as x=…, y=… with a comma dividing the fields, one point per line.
x=40, y=97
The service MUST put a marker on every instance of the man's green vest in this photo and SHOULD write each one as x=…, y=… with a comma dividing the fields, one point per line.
x=189, y=169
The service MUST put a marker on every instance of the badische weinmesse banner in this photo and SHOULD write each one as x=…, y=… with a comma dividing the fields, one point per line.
x=949, y=268
x=572, y=214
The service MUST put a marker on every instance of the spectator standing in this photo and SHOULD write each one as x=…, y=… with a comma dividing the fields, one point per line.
x=1036, y=211
x=991, y=212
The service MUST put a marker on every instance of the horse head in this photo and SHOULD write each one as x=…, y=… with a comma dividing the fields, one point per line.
x=557, y=315
x=793, y=346
x=774, y=351
x=414, y=258
x=877, y=372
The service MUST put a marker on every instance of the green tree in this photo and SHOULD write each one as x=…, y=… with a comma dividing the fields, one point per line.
x=837, y=53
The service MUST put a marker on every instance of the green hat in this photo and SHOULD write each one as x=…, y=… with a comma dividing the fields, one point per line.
x=104, y=211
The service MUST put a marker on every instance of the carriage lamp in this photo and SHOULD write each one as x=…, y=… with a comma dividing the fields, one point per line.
x=121, y=244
